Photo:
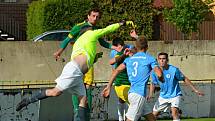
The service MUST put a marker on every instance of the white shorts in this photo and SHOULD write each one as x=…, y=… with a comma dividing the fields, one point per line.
x=163, y=104
x=71, y=79
x=138, y=107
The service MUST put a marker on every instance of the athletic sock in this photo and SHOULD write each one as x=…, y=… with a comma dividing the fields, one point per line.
x=88, y=114
x=26, y=101
x=75, y=103
x=39, y=96
x=89, y=98
x=76, y=116
x=121, y=111
x=83, y=113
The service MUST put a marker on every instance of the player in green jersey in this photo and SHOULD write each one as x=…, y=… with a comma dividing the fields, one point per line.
x=92, y=19
x=121, y=83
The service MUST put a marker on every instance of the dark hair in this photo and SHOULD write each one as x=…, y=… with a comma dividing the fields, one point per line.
x=141, y=43
x=163, y=53
x=118, y=41
x=95, y=10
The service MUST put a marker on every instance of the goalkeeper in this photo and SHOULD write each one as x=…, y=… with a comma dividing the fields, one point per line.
x=92, y=18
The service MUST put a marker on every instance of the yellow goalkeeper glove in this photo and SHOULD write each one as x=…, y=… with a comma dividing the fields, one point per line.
x=131, y=23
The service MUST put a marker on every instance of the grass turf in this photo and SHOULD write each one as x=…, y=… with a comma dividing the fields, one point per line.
x=193, y=119
x=199, y=119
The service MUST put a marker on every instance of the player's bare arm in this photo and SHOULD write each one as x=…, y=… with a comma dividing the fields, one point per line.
x=189, y=83
x=106, y=91
x=151, y=91
x=117, y=59
x=159, y=73
x=112, y=61
x=58, y=53
x=63, y=45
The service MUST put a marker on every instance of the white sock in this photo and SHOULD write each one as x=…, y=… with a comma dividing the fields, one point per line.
x=177, y=120
x=121, y=111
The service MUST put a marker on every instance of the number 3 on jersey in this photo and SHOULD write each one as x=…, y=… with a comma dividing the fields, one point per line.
x=134, y=73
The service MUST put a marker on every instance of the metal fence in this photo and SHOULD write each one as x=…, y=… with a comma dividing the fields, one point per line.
x=169, y=32
x=13, y=20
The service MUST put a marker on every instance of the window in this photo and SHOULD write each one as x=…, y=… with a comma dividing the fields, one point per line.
x=51, y=37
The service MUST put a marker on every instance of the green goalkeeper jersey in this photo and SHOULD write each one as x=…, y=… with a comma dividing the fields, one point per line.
x=75, y=33
x=86, y=43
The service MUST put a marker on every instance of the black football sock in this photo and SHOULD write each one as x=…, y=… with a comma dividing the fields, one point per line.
x=84, y=114
x=38, y=96
x=26, y=101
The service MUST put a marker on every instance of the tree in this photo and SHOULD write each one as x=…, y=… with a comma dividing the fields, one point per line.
x=139, y=11
x=187, y=15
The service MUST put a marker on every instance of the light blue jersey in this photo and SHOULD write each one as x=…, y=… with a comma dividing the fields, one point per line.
x=138, y=68
x=170, y=88
x=114, y=53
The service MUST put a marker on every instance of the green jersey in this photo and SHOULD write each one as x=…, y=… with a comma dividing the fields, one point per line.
x=122, y=77
x=75, y=33
x=86, y=43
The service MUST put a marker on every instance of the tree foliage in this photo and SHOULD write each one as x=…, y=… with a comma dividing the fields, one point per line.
x=63, y=14
x=139, y=11
x=35, y=15
x=187, y=15
x=55, y=14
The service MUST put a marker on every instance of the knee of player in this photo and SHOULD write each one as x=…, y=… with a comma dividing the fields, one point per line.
x=53, y=92
x=175, y=113
x=155, y=113
x=83, y=101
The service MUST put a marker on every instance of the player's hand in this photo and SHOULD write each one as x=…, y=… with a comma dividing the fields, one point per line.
x=106, y=92
x=124, y=22
x=133, y=34
x=127, y=51
x=199, y=93
x=57, y=55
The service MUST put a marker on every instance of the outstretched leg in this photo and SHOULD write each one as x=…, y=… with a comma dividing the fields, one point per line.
x=44, y=93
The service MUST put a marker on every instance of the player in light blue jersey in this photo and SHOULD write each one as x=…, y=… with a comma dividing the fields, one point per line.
x=138, y=68
x=170, y=93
